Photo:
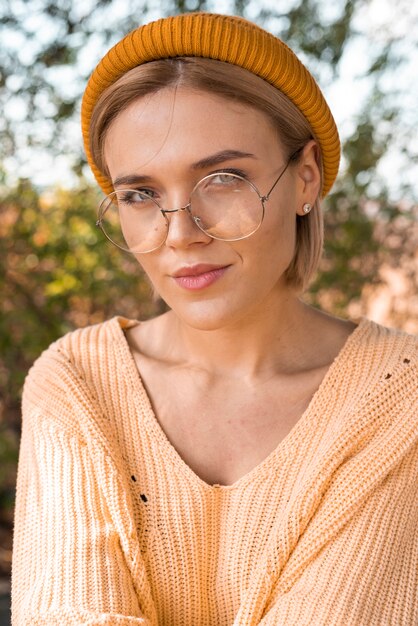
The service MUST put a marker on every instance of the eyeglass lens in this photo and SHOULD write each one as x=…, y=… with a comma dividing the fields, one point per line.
x=224, y=206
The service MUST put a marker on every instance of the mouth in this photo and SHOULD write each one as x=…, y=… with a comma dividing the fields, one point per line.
x=199, y=276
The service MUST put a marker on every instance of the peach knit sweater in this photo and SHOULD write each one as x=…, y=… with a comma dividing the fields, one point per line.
x=113, y=528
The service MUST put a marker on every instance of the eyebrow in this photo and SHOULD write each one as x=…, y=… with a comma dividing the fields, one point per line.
x=220, y=157
x=131, y=179
x=213, y=159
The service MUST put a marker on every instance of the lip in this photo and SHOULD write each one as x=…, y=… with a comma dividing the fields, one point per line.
x=198, y=276
x=195, y=270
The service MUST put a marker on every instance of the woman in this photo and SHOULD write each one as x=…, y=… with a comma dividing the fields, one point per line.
x=244, y=458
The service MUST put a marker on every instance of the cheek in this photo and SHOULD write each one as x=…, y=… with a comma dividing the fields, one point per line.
x=278, y=236
x=148, y=266
x=149, y=270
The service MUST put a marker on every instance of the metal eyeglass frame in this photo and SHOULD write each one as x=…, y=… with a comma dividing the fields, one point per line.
x=187, y=206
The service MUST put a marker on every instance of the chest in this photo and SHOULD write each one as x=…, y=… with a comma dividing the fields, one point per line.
x=223, y=430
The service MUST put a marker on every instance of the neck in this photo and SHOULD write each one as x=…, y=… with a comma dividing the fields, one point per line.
x=277, y=340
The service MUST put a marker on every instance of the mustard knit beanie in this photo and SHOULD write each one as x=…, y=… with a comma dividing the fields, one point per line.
x=225, y=38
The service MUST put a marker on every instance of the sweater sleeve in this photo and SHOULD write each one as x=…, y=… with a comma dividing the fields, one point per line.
x=368, y=573
x=68, y=565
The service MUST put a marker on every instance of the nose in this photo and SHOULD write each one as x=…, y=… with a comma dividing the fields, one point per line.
x=182, y=229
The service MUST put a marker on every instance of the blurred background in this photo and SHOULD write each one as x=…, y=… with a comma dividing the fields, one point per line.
x=58, y=273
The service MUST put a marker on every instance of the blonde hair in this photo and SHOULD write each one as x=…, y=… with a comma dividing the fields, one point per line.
x=234, y=83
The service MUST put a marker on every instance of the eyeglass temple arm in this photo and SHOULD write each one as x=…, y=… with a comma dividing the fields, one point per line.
x=291, y=158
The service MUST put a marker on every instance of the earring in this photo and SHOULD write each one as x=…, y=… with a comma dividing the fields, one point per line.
x=306, y=208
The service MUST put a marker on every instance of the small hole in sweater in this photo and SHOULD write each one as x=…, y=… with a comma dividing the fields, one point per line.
x=388, y=376
x=133, y=478
x=406, y=360
x=143, y=497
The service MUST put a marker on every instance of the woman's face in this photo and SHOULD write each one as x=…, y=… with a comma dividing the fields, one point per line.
x=171, y=140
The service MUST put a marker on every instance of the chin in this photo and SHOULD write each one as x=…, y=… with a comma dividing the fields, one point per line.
x=209, y=310
x=210, y=314
x=201, y=319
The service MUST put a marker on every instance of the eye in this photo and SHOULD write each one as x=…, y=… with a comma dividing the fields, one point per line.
x=136, y=196
x=222, y=179
x=149, y=193
x=227, y=176
x=223, y=182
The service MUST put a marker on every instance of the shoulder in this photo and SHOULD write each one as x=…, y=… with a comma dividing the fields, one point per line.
x=382, y=393
x=386, y=352
x=391, y=338
x=373, y=389
x=61, y=373
x=373, y=433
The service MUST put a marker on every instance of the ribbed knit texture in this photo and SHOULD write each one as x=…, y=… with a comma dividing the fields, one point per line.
x=225, y=38
x=113, y=528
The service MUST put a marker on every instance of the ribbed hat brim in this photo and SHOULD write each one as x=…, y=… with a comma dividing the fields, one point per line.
x=225, y=38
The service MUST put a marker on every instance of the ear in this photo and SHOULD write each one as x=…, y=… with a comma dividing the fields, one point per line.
x=308, y=176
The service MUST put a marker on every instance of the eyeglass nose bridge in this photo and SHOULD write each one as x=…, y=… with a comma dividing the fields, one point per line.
x=195, y=219
x=186, y=207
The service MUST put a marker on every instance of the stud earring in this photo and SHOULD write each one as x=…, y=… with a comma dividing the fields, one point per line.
x=306, y=208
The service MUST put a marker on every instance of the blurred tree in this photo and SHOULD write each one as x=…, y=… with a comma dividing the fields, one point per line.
x=57, y=272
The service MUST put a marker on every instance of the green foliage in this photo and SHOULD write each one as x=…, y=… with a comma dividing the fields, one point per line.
x=58, y=270
x=307, y=26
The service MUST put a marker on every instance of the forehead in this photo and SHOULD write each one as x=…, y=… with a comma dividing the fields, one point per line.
x=185, y=124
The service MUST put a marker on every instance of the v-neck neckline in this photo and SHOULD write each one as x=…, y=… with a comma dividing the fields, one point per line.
x=140, y=394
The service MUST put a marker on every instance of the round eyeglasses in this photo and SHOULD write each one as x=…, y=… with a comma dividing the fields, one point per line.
x=223, y=205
